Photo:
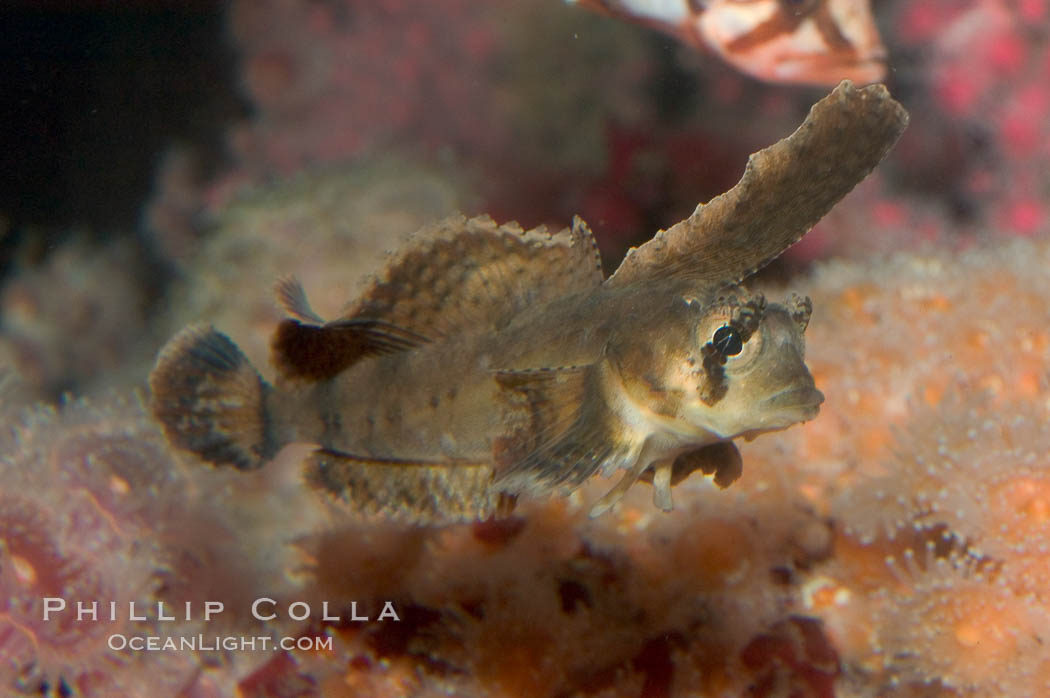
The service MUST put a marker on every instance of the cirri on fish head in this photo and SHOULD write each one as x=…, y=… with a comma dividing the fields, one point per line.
x=816, y=42
x=488, y=362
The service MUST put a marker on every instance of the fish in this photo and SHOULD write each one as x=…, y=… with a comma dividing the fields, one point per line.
x=812, y=42
x=488, y=362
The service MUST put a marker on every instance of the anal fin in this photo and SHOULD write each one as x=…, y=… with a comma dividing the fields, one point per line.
x=411, y=492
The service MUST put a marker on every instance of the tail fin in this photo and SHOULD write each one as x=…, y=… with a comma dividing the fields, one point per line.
x=211, y=401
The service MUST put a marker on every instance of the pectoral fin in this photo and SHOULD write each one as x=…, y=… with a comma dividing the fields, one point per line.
x=567, y=432
x=412, y=492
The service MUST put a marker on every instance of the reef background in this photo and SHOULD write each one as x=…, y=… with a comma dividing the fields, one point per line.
x=163, y=163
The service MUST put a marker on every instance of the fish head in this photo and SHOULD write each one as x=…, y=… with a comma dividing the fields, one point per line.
x=816, y=42
x=748, y=367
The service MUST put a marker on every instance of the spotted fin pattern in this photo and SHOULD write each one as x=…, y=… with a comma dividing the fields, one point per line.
x=211, y=401
x=471, y=275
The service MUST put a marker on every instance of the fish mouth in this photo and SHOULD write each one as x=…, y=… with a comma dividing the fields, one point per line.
x=796, y=404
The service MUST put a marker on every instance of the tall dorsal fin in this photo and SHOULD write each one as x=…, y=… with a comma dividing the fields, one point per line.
x=467, y=274
x=785, y=190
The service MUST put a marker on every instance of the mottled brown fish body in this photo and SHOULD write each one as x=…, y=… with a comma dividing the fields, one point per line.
x=442, y=400
x=489, y=361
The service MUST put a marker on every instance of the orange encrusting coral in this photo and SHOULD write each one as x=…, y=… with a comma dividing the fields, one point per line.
x=933, y=448
x=969, y=632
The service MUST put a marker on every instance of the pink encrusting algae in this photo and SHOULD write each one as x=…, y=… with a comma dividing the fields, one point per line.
x=96, y=510
x=328, y=86
x=65, y=533
x=978, y=72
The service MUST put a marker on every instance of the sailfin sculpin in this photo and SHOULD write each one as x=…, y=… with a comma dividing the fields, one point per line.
x=489, y=362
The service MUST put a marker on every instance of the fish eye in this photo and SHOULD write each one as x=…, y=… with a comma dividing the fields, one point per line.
x=727, y=341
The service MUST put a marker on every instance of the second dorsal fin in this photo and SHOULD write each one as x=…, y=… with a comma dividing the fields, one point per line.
x=472, y=274
x=319, y=352
x=305, y=347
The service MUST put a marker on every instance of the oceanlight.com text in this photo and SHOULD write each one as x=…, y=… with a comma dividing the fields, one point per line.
x=229, y=643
